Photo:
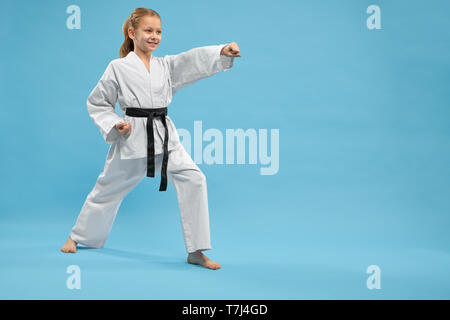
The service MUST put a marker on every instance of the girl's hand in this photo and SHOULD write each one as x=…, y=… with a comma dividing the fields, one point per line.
x=231, y=50
x=124, y=128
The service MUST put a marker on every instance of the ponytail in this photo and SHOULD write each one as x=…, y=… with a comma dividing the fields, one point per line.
x=128, y=44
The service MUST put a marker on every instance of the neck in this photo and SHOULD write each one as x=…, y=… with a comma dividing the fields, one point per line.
x=142, y=54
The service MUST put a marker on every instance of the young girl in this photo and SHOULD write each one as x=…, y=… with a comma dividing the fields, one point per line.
x=145, y=140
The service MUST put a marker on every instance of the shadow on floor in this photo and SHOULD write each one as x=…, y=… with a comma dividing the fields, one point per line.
x=153, y=259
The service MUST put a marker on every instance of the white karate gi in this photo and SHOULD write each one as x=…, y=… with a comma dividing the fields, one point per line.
x=128, y=81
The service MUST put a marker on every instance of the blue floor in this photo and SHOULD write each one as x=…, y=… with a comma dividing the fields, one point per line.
x=151, y=264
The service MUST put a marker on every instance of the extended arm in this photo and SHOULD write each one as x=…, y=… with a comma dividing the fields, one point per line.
x=101, y=105
x=195, y=64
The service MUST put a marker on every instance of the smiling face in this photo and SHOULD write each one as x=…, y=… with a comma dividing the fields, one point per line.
x=147, y=36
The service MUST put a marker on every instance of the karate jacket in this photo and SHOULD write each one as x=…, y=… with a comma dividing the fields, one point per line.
x=127, y=81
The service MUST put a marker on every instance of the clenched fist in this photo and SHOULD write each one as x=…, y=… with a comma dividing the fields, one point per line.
x=231, y=50
x=124, y=128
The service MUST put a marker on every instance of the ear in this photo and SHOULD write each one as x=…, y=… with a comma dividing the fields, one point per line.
x=131, y=33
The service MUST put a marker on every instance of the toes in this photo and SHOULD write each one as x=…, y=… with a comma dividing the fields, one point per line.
x=68, y=249
x=214, y=265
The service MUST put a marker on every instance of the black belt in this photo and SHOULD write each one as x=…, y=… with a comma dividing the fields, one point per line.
x=150, y=114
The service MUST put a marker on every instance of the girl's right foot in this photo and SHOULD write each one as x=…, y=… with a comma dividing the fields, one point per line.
x=69, y=246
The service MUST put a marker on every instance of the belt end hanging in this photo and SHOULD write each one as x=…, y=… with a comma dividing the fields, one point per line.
x=163, y=185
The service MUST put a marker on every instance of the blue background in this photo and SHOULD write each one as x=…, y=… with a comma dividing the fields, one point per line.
x=364, y=152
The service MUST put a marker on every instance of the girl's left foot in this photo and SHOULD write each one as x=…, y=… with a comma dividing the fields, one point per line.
x=199, y=258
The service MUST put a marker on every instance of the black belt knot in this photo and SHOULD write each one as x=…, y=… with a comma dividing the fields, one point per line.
x=150, y=114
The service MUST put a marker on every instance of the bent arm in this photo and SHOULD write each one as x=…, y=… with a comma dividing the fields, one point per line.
x=188, y=67
x=101, y=105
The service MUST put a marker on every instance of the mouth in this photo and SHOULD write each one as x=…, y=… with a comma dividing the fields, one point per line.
x=153, y=43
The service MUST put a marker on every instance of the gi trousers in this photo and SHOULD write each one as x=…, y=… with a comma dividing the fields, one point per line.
x=120, y=176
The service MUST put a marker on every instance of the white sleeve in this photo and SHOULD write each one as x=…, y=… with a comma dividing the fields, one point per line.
x=101, y=105
x=195, y=64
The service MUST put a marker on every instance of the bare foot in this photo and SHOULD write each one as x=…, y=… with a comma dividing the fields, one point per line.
x=69, y=246
x=199, y=258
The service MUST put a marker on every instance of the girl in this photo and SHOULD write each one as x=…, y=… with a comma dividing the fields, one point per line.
x=145, y=140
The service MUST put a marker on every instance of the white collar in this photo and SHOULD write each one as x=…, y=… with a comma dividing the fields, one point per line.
x=133, y=54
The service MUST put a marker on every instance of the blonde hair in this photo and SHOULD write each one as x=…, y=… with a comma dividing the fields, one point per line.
x=133, y=22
